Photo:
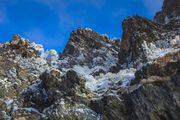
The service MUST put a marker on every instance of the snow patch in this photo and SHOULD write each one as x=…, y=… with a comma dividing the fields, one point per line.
x=152, y=51
x=37, y=47
x=167, y=20
x=89, y=29
x=103, y=82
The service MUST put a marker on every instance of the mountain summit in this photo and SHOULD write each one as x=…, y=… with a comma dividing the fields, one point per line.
x=95, y=77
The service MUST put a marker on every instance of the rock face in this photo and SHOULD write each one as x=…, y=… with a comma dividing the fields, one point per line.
x=154, y=95
x=22, y=46
x=20, y=66
x=136, y=30
x=169, y=15
x=159, y=93
x=88, y=48
x=141, y=37
x=95, y=77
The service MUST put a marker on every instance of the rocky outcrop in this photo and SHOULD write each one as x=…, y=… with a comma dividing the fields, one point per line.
x=59, y=96
x=169, y=16
x=159, y=92
x=22, y=46
x=136, y=30
x=164, y=67
x=58, y=86
x=153, y=95
x=88, y=48
x=142, y=37
x=17, y=72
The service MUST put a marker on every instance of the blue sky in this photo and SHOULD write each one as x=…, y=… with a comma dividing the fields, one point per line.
x=50, y=22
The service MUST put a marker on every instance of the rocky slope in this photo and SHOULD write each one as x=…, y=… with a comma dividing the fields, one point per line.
x=95, y=77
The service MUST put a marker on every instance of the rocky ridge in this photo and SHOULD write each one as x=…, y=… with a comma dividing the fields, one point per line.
x=169, y=15
x=95, y=77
